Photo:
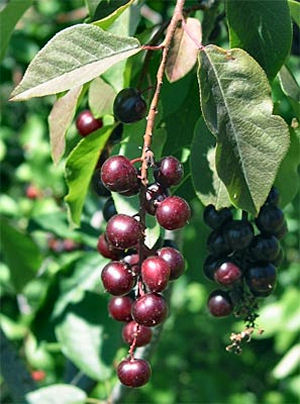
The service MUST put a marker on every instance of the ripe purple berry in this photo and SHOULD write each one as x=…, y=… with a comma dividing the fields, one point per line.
x=174, y=259
x=134, y=372
x=155, y=273
x=155, y=193
x=143, y=334
x=169, y=171
x=227, y=274
x=123, y=231
x=106, y=249
x=119, y=175
x=86, y=123
x=219, y=303
x=117, y=279
x=173, y=213
x=119, y=308
x=150, y=310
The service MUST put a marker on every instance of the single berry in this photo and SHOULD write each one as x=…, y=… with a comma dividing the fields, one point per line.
x=150, y=309
x=109, y=210
x=106, y=249
x=134, y=372
x=119, y=307
x=118, y=174
x=279, y=258
x=219, y=303
x=217, y=245
x=69, y=245
x=227, y=273
x=210, y=266
x=117, y=279
x=174, y=260
x=86, y=123
x=132, y=260
x=98, y=186
x=155, y=193
x=169, y=171
x=261, y=279
x=129, y=106
x=270, y=219
x=264, y=248
x=123, y=231
x=133, y=330
x=216, y=218
x=32, y=192
x=173, y=213
x=273, y=197
x=238, y=234
x=155, y=273
x=38, y=375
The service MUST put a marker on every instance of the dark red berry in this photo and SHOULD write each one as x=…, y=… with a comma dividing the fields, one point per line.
x=216, y=218
x=169, y=171
x=118, y=174
x=219, y=303
x=86, y=123
x=150, y=310
x=119, y=308
x=98, y=186
x=129, y=106
x=123, y=231
x=270, y=219
x=109, y=209
x=174, y=260
x=131, y=330
x=134, y=372
x=106, y=249
x=217, y=245
x=273, y=197
x=227, y=274
x=132, y=260
x=155, y=193
x=173, y=213
x=261, y=279
x=264, y=248
x=132, y=191
x=155, y=272
x=32, y=192
x=117, y=279
x=238, y=234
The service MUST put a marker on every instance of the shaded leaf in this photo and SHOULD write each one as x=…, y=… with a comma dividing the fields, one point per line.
x=57, y=394
x=80, y=166
x=114, y=13
x=288, y=364
x=183, y=54
x=20, y=253
x=9, y=16
x=255, y=27
x=92, y=6
x=295, y=11
x=88, y=337
x=208, y=186
x=290, y=88
x=237, y=107
x=101, y=98
x=73, y=57
x=60, y=119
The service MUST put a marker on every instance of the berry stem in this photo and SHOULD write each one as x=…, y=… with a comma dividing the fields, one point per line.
x=195, y=40
x=132, y=346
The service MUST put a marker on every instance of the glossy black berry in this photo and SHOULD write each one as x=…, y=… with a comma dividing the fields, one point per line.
x=86, y=123
x=123, y=231
x=174, y=260
x=217, y=245
x=282, y=231
x=155, y=193
x=129, y=106
x=238, y=234
x=173, y=213
x=273, y=197
x=279, y=258
x=210, y=265
x=216, y=218
x=227, y=273
x=117, y=279
x=219, y=303
x=133, y=330
x=119, y=308
x=98, y=186
x=134, y=372
x=270, y=219
x=264, y=248
x=106, y=249
x=261, y=279
x=150, y=310
x=109, y=209
x=169, y=171
x=118, y=174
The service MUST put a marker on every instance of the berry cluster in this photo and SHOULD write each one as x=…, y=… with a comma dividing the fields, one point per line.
x=240, y=260
x=136, y=275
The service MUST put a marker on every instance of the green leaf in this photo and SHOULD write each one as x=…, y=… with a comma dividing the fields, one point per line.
x=288, y=364
x=208, y=186
x=73, y=57
x=237, y=107
x=57, y=394
x=20, y=253
x=92, y=6
x=287, y=179
x=114, y=11
x=295, y=11
x=9, y=16
x=101, y=98
x=88, y=337
x=79, y=170
x=255, y=27
x=183, y=53
x=60, y=119
x=290, y=88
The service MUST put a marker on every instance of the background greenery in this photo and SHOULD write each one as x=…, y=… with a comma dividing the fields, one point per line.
x=52, y=304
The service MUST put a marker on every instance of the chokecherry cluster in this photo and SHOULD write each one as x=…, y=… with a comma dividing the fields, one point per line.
x=136, y=276
x=243, y=260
